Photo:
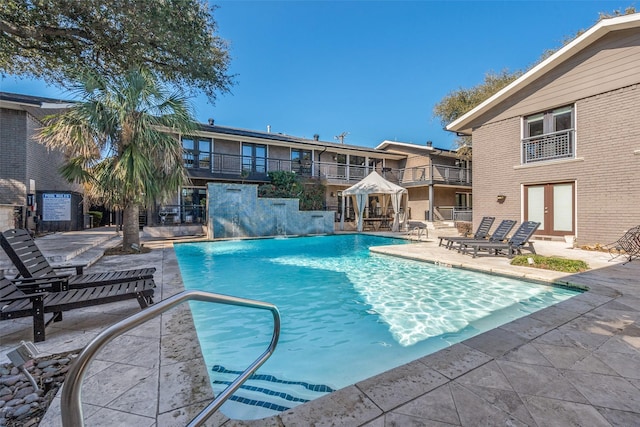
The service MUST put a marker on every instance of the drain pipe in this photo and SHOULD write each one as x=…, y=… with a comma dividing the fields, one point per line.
x=320, y=159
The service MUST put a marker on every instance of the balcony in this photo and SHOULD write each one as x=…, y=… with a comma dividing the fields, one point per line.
x=237, y=167
x=550, y=146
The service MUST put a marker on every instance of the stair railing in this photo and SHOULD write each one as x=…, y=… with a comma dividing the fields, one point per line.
x=71, y=405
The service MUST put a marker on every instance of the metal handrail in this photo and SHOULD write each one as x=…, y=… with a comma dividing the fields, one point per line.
x=71, y=406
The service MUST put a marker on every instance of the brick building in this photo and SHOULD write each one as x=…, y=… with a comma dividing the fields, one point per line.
x=30, y=185
x=561, y=145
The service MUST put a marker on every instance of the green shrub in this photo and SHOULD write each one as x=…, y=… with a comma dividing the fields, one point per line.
x=288, y=185
x=97, y=218
x=551, y=263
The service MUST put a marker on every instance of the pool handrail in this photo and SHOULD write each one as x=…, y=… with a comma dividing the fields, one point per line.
x=71, y=407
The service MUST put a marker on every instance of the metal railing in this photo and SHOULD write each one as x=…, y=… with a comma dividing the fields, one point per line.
x=452, y=213
x=550, y=146
x=239, y=166
x=71, y=406
x=181, y=214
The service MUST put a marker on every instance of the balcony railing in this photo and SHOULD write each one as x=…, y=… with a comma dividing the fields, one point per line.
x=551, y=146
x=181, y=214
x=258, y=168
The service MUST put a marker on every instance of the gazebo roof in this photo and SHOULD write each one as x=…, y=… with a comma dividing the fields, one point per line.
x=374, y=184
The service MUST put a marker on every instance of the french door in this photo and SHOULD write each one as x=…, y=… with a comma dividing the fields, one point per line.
x=553, y=206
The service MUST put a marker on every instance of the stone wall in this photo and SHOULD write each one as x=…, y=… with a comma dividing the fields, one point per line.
x=236, y=211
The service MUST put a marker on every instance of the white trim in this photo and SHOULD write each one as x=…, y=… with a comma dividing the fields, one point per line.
x=548, y=163
x=596, y=32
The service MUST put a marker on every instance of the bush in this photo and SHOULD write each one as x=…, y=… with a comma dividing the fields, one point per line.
x=288, y=185
x=551, y=263
x=96, y=218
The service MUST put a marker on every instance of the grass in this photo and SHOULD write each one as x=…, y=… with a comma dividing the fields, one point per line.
x=551, y=263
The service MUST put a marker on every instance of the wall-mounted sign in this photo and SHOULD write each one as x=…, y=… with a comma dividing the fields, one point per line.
x=56, y=207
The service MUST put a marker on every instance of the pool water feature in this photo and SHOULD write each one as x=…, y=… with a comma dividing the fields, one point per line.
x=347, y=314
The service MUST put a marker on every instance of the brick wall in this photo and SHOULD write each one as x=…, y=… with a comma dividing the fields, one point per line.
x=606, y=170
x=13, y=132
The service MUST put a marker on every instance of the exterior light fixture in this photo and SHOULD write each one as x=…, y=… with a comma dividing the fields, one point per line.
x=501, y=198
x=21, y=355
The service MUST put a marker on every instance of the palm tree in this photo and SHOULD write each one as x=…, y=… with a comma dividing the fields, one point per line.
x=121, y=139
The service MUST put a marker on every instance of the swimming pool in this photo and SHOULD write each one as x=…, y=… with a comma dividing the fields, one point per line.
x=347, y=314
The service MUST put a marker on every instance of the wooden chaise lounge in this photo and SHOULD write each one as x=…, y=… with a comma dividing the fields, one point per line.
x=31, y=264
x=25, y=301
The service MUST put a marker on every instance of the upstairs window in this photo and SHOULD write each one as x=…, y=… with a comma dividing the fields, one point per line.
x=549, y=135
x=196, y=153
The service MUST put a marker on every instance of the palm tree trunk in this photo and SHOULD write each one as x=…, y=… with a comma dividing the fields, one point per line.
x=130, y=227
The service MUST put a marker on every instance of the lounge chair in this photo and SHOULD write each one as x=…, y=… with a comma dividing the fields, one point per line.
x=627, y=245
x=499, y=235
x=481, y=233
x=31, y=264
x=18, y=302
x=517, y=242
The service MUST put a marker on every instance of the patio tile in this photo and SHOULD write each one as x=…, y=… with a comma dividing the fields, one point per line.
x=108, y=384
x=574, y=358
x=176, y=392
x=496, y=342
x=455, y=360
x=393, y=419
x=554, y=316
x=527, y=354
x=568, y=337
x=622, y=343
x=142, y=399
x=437, y=406
x=605, y=390
x=400, y=385
x=505, y=400
x=527, y=327
x=555, y=413
x=180, y=417
x=474, y=411
x=122, y=348
x=109, y=418
x=488, y=375
x=346, y=407
x=540, y=381
x=624, y=364
x=620, y=418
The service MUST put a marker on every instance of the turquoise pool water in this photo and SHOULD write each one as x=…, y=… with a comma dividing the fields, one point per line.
x=347, y=314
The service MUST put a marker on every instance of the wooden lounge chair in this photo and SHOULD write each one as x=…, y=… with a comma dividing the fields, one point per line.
x=31, y=264
x=481, y=233
x=517, y=242
x=16, y=302
x=627, y=245
x=499, y=235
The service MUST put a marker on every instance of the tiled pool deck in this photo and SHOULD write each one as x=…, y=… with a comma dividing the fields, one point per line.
x=576, y=363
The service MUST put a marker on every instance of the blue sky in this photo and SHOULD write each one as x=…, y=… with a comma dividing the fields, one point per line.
x=374, y=69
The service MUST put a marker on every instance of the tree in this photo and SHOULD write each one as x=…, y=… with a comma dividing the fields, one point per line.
x=460, y=101
x=120, y=138
x=175, y=39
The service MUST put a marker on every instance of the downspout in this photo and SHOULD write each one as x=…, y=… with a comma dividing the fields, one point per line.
x=320, y=159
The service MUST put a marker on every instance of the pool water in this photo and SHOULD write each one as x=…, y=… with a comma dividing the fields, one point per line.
x=347, y=314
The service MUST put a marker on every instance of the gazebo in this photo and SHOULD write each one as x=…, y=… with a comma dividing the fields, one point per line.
x=374, y=184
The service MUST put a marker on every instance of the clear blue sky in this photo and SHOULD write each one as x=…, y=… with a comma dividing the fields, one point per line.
x=374, y=69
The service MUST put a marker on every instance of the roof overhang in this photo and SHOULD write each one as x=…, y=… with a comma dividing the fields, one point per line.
x=599, y=30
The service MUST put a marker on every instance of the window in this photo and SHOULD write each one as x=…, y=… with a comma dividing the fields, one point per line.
x=301, y=161
x=254, y=158
x=196, y=153
x=187, y=152
x=549, y=135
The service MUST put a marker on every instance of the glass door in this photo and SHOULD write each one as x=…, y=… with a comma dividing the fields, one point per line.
x=552, y=205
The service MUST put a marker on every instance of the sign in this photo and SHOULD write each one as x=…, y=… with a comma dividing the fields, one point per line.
x=56, y=207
